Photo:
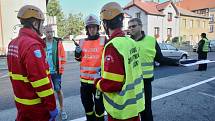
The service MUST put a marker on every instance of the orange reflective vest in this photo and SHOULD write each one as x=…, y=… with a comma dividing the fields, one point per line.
x=91, y=59
x=61, y=57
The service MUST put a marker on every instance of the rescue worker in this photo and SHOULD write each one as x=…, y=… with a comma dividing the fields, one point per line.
x=28, y=70
x=121, y=80
x=55, y=55
x=149, y=52
x=89, y=53
x=203, y=48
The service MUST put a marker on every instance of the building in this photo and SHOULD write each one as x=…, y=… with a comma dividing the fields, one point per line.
x=159, y=19
x=202, y=7
x=9, y=24
x=192, y=25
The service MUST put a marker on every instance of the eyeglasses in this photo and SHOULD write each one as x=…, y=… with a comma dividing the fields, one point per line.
x=132, y=26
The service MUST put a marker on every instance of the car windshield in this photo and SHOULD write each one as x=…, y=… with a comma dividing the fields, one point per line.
x=171, y=47
x=162, y=46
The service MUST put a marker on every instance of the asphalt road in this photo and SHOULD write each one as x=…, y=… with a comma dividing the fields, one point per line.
x=179, y=102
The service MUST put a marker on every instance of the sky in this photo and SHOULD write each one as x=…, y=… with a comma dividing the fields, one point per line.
x=87, y=7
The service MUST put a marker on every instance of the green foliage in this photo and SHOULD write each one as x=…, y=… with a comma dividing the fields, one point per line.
x=75, y=24
x=72, y=25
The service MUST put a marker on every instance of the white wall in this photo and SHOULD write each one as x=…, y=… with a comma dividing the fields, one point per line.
x=155, y=21
x=9, y=9
x=174, y=24
x=132, y=12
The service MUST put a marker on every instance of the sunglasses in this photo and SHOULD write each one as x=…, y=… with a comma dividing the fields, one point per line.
x=132, y=26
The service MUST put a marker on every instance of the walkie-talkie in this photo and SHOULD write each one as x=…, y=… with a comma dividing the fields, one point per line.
x=76, y=44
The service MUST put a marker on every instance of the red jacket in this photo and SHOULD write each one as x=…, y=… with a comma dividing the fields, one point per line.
x=29, y=73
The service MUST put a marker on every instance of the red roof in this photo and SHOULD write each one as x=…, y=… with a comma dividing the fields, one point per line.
x=196, y=4
x=148, y=7
x=163, y=5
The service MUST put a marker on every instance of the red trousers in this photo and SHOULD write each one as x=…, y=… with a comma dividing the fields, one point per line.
x=137, y=118
x=33, y=115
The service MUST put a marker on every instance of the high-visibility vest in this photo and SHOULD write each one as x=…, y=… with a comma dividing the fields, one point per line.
x=91, y=59
x=129, y=102
x=147, y=55
x=206, y=45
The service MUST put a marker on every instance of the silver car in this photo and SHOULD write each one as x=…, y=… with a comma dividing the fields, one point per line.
x=212, y=46
x=170, y=51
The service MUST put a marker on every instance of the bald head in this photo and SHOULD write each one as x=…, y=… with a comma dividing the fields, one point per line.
x=49, y=32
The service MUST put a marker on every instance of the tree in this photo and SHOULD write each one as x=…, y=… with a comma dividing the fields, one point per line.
x=72, y=25
x=54, y=9
x=75, y=24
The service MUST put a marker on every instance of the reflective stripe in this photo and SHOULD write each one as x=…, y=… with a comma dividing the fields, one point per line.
x=102, y=40
x=90, y=68
x=61, y=59
x=18, y=77
x=87, y=81
x=112, y=76
x=47, y=72
x=130, y=86
x=148, y=72
x=40, y=82
x=81, y=42
x=100, y=115
x=89, y=113
x=98, y=86
x=148, y=64
x=28, y=101
x=45, y=93
x=90, y=75
x=128, y=102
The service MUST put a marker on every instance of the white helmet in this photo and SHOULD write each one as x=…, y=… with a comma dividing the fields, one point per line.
x=92, y=19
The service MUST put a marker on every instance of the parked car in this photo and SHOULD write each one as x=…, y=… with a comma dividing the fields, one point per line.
x=168, y=50
x=212, y=46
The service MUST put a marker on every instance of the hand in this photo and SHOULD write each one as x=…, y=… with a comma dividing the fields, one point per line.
x=53, y=114
x=78, y=49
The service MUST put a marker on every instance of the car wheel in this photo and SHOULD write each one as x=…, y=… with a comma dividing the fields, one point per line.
x=184, y=56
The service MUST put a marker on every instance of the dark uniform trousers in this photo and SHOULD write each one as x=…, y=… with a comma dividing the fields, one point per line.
x=202, y=56
x=146, y=115
x=89, y=100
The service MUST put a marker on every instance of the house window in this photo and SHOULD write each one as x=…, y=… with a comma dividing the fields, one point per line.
x=191, y=23
x=169, y=16
x=211, y=28
x=198, y=23
x=191, y=38
x=138, y=15
x=169, y=32
x=203, y=24
x=184, y=23
x=212, y=18
x=156, y=32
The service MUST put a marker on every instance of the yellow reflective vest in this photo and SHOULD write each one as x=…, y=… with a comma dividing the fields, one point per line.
x=129, y=102
x=147, y=55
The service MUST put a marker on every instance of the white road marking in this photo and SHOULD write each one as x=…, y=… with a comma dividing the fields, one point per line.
x=170, y=93
x=3, y=76
x=209, y=95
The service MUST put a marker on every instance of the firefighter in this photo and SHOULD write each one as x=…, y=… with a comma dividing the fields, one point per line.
x=28, y=70
x=89, y=53
x=121, y=81
x=203, y=48
x=149, y=52
x=55, y=55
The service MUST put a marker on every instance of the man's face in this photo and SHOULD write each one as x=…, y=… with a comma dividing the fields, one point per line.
x=49, y=33
x=134, y=28
x=92, y=29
